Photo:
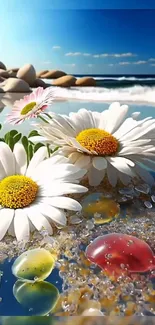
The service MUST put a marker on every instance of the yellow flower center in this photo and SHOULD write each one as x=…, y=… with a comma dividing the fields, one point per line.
x=28, y=108
x=100, y=141
x=17, y=191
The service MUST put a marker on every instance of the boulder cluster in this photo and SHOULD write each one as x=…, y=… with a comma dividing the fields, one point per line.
x=25, y=78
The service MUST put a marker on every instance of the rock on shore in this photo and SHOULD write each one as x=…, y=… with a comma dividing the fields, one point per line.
x=27, y=73
x=53, y=74
x=66, y=81
x=41, y=73
x=40, y=83
x=2, y=66
x=85, y=82
x=15, y=85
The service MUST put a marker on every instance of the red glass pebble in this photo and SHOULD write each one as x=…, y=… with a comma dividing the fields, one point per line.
x=116, y=253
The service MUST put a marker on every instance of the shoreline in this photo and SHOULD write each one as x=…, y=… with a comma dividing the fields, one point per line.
x=137, y=95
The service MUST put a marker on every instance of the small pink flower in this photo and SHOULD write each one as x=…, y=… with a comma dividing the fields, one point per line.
x=31, y=105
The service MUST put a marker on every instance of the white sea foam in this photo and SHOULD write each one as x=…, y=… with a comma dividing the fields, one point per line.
x=136, y=94
x=125, y=78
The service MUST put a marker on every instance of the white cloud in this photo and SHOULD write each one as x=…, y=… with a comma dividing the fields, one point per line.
x=90, y=65
x=111, y=65
x=153, y=65
x=102, y=55
x=124, y=63
x=56, y=47
x=140, y=62
x=152, y=59
x=134, y=62
x=114, y=55
x=123, y=55
x=73, y=54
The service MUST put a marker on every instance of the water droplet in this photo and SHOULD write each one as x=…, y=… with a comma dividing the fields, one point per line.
x=153, y=198
x=89, y=224
x=148, y=204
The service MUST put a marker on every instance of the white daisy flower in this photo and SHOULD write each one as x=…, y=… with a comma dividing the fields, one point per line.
x=107, y=143
x=33, y=196
x=31, y=105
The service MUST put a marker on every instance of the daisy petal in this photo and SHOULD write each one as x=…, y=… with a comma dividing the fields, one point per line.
x=38, y=157
x=2, y=171
x=7, y=159
x=82, y=161
x=21, y=225
x=117, y=114
x=6, y=216
x=63, y=203
x=99, y=163
x=57, y=215
x=38, y=220
x=60, y=188
x=95, y=176
x=20, y=158
x=112, y=175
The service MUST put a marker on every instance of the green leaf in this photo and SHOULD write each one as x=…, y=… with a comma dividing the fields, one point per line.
x=33, y=133
x=25, y=143
x=37, y=146
x=30, y=152
x=13, y=132
x=2, y=140
x=17, y=137
x=7, y=137
x=0, y=126
x=11, y=143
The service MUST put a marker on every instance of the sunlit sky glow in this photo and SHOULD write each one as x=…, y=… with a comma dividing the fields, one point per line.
x=78, y=37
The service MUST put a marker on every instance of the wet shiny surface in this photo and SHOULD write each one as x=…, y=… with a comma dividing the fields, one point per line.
x=116, y=253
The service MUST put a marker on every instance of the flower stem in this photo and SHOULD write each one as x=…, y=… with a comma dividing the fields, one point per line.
x=39, y=116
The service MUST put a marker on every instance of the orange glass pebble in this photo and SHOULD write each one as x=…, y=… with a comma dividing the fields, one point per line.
x=118, y=253
x=102, y=209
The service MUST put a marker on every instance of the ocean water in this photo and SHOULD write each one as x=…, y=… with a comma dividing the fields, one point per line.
x=136, y=91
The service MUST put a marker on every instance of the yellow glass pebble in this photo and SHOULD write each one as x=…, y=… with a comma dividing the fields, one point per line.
x=101, y=208
x=34, y=264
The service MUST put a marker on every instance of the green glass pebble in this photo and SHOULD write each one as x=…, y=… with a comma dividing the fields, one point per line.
x=34, y=264
x=38, y=297
x=27, y=320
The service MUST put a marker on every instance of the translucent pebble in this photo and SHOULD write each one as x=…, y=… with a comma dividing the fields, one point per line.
x=89, y=224
x=127, y=191
x=92, y=312
x=27, y=320
x=153, y=198
x=148, y=204
x=125, y=252
x=96, y=204
x=143, y=188
x=75, y=220
x=39, y=297
x=36, y=263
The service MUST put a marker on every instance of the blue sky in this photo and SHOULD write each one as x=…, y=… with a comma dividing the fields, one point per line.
x=77, y=37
